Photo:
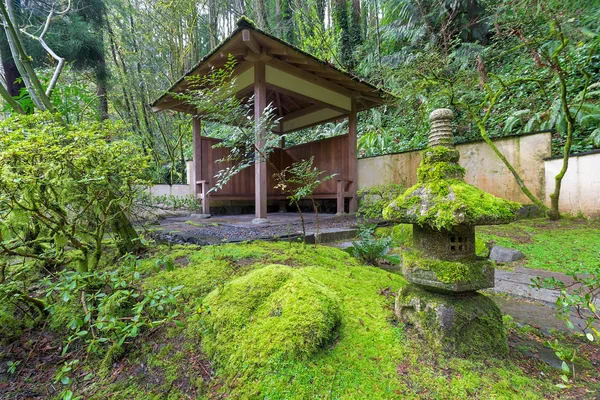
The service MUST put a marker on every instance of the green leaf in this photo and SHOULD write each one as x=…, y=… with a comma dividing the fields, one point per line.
x=589, y=336
x=65, y=380
x=561, y=385
x=565, y=368
x=570, y=324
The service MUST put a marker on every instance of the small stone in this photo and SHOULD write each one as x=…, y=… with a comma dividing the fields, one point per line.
x=503, y=254
x=260, y=221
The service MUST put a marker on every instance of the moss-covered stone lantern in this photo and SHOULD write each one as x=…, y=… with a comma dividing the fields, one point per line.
x=442, y=300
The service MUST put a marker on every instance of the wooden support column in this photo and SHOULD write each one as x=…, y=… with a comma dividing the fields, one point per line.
x=260, y=166
x=340, y=197
x=197, y=169
x=199, y=180
x=352, y=162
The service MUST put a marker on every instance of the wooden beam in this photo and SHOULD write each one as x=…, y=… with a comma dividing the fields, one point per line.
x=167, y=105
x=278, y=102
x=260, y=167
x=336, y=118
x=250, y=41
x=302, y=112
x=307, y=76
x=290, y=93
x=352, y=172
x=294, y=60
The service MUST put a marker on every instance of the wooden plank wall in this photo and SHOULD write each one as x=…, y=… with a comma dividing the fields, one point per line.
x=330, y=156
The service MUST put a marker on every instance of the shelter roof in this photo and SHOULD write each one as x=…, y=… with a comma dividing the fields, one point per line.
x=305, y=90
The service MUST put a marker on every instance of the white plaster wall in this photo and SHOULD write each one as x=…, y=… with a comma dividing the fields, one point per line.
x=580, y=189
x=484, y=168
x=176, y=190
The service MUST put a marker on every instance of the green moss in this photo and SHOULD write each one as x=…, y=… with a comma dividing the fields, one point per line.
x=272, y=313
x=481, y=248
x=371, y=355
x=439, y=154
x=448, y=271
x=11, y=326
x=563, y=246
x=446, y=204
x=440, y=171
x=473, y=326
x=442, y=200
x=401, y=234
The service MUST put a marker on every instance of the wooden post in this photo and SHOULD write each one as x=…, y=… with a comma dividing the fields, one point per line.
x=340, y=196
x=260, y=165
x=352, y=163
x=205, y=197
x=197, y=169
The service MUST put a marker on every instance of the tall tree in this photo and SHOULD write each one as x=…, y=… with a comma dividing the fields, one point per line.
x=342, y=25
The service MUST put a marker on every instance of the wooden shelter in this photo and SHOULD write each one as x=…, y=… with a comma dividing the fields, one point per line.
x=305, y=91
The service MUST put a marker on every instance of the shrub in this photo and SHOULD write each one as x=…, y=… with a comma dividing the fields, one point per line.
x=374, y=199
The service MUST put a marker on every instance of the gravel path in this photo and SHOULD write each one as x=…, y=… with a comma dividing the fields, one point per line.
x=231, y=229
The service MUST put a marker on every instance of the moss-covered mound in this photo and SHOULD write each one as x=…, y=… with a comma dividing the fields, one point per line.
x=272, y=313
x=464, y=326
x=442, y=200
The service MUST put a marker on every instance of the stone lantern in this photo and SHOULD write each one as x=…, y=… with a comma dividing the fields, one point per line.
x=444, y=272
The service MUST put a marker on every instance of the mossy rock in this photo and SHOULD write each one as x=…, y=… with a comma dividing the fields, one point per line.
x=270, y=314
x=460, y=325
x=442, y=199
x=447, y=276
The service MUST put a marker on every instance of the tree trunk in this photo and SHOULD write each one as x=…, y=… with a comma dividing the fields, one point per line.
x=320, y=9
x=340, y=19
x=213, y=23
x=288, y=22
x=279, y=18
x=260, y=14
x=554, y=212
x=11, y=73
x=126, y=237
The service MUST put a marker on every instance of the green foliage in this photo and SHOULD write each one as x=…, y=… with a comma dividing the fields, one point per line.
x=272, y=314
x=579, y=298
x=299, y=181
x=371, y=249
x=369, y=352
x=188, y=202
x=567, y=355
x=342, y=26
x=104, y=309
x=66, y=186
x=374, y=199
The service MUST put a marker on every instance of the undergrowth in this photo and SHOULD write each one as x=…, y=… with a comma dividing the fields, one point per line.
x=326, y=329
